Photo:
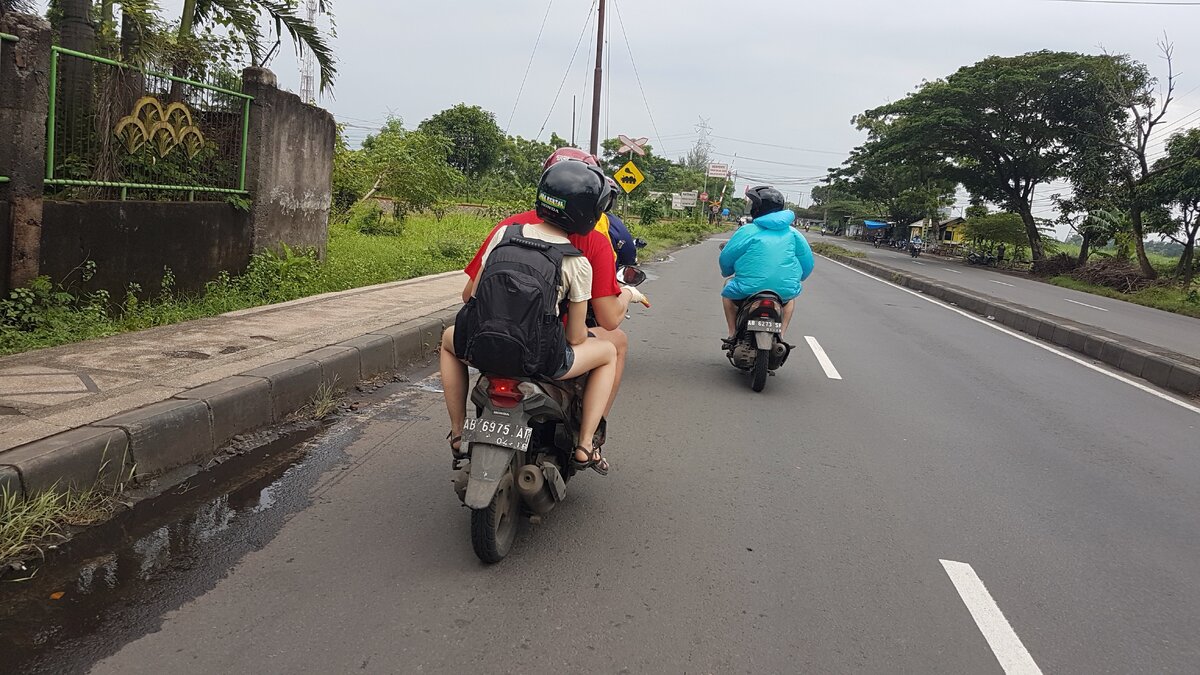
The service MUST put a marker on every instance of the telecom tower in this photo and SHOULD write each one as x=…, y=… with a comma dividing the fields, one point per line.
x=308, y=85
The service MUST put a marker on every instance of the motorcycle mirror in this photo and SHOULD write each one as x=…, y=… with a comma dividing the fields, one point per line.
x=639, y=243
x=632, y=276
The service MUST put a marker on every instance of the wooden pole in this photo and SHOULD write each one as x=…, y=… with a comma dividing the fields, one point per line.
x=595, y=143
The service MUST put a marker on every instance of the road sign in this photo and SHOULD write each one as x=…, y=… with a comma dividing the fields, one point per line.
x=703, y=196
x=632, y=145
x=718, y=171
x=689, y=198
x=677, y=201
x=629, y=177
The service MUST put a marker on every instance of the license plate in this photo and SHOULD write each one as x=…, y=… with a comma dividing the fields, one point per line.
x=766, y=326
x=497, y=432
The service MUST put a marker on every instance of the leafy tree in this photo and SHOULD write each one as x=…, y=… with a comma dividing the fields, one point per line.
x=476, y=140
x=907, y=191
x=410, y=167
x=1001, y=126
x=1175, y=181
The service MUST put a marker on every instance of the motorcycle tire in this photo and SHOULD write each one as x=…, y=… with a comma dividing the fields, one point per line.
x=493, y=529
x=759, y=374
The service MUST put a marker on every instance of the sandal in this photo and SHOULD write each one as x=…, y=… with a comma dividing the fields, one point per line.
x=457, y=452
x=594, y=461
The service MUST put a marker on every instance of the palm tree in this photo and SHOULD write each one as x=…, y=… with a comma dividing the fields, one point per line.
x=243, y=17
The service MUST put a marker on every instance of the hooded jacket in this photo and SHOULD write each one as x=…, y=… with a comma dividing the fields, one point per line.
x=766, y=255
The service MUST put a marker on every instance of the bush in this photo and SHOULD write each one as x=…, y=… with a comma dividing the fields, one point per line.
x=1055, y=265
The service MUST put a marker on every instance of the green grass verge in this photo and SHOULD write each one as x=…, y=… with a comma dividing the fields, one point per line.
x=827, y=249
x=46, y=315
x=1168, y=298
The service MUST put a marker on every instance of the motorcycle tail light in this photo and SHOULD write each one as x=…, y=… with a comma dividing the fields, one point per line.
x=504, y=392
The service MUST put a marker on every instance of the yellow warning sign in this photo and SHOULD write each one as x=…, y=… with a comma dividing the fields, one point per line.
x=629, y=177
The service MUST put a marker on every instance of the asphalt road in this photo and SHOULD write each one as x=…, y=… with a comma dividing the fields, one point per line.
x=1175, y=332
x=959, y=499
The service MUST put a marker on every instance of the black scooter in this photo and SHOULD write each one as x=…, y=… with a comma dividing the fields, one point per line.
x=758, y=347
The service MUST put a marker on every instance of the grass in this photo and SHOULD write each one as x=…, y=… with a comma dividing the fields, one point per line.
x=827, y=249
x=1168, y=298
x=29, y=525
x=45, y=314
x=324, y=401
x=1164, y=264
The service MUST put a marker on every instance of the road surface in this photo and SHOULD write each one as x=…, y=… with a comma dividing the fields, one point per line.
x=940, y=496
x=1174, y=332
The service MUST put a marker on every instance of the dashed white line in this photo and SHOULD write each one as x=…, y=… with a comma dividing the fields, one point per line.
x=1000, y=636
x=822, y=358
x=1085, y=304
x=918, y=262
x=1040, y=345
x=950, y=270
x=1001, y=283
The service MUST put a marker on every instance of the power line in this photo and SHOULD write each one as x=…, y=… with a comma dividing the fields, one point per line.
x=578, y=42
x=784, y=147
x=633, y=62
x=528, y=66
x=1166, y=3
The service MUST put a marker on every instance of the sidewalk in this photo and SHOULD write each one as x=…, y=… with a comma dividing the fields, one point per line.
x=173, y=395
x=1175, y=333
x=1148, y=360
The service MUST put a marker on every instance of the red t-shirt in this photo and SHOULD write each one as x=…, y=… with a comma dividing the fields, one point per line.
x=594, y=245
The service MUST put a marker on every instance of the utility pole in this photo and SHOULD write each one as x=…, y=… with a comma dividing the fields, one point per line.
x=573, y=108
x=595, y=144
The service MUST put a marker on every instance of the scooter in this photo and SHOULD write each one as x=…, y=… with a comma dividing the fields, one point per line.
x=914, y=249
x=758, y=347
x=976, y=258
x=519, y=446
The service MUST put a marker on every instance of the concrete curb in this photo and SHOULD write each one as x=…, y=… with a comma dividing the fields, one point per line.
x=193, y=425
x=1164, y=368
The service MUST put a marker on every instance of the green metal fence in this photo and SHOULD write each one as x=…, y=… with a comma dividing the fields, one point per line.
x=10, y=38
x=121, y=131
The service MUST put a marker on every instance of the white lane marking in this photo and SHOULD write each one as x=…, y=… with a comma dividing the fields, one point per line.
x=950, y=270
x=1001, y=283
x=822, y=357
x=1000, y=636
x=1040, y=345
x=918, y=262
x=1085, y=304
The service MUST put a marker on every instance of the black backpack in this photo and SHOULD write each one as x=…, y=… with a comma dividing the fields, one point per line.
x=511, y=327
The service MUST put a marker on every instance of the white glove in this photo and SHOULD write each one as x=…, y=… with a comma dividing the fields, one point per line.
x=636, y=296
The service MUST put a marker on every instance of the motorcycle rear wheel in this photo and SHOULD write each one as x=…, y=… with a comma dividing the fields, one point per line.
x=494, y=528
x=759, y=374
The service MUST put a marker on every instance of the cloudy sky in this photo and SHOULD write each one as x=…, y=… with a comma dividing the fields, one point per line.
x=764, y=72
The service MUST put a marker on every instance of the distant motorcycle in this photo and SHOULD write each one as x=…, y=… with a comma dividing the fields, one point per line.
x=977, y=258
x=914, y=249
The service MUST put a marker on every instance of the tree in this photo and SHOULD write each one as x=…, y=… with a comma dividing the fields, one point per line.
x=998, y=228
x=411, y=167
x=1002, y=126
x=242, y=18
x=476, y=140
x=908, y=191
x=1175, y=181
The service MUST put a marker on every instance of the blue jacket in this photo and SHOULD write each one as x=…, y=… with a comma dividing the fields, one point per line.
x=766, y=255
x=622, y=241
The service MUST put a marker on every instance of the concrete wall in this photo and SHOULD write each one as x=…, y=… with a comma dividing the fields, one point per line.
x=131, y=242
x=24, y=98
x=289, y=172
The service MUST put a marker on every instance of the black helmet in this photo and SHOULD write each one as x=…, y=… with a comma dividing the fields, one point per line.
x=764, y=199
x=572, y=195
x=614, y=191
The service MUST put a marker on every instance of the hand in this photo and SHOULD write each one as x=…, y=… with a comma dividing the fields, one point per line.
x=636, y=296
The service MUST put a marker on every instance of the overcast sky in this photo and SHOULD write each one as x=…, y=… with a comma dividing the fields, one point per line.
x=769, y=71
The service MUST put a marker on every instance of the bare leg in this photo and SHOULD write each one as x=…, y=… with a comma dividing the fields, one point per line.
x=788, y=308
x=599, y=358
x=454, y=384
x=621, y=341
x=731, y=309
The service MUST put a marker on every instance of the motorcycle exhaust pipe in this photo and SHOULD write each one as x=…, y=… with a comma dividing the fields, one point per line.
x=531, y=485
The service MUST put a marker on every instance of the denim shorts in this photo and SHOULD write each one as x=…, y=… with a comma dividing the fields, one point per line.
x=568, y=361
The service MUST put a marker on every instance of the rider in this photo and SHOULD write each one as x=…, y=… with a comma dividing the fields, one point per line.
x=623, y=242
x=610, y=301
x=571, y=196
x=767, y=254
